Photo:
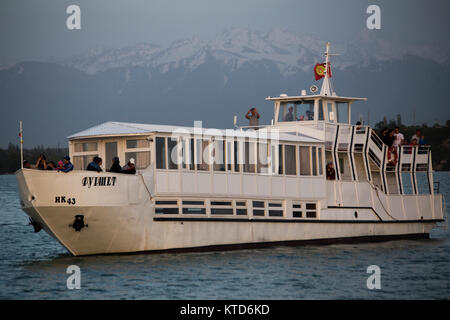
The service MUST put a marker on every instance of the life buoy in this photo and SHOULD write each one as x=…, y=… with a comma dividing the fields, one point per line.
x=392, y=156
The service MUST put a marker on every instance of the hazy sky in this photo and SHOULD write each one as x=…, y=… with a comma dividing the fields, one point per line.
x=36, y=29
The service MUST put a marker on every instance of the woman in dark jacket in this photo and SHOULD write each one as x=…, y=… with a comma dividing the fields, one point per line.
x=116, y=166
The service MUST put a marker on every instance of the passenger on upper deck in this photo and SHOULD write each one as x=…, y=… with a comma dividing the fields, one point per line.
x=331, y=173
x=399, y=138
x=116, y=166
x=68, y=166
x=290, y=115
x=51, y=165
x=27, y=165
x=359, y=128
x=419, y=137
x=387, y=137
x=252, y=115
x=95, y=165
x=309, y=114
x=41, y=163
x=129, y=168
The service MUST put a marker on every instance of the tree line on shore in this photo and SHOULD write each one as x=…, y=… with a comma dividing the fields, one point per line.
x=10, y=157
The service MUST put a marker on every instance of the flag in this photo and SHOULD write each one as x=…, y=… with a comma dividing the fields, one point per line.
x=319, y=70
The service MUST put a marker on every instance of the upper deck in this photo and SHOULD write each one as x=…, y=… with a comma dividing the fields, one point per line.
x=307, y=133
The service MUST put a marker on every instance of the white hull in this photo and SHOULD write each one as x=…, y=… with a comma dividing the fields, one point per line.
x=122, y=218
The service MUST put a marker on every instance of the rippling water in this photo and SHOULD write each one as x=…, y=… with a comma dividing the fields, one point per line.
x=33, y=266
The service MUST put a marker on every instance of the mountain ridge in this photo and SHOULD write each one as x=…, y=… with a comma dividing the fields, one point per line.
x=203, y=81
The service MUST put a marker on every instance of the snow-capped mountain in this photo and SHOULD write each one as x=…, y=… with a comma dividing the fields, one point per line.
x=213, y=80
x=289, y=51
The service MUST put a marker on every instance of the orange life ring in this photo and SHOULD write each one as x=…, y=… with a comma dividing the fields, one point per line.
x=392, y=151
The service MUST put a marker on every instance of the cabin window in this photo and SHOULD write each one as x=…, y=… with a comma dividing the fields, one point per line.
x=321, y=110
x=423, y=186
x=193, y=207
x=202, y=154
x=311, y=210
x=331, y=113
x=229, y=155
x=275, y=209
x=183, y=145
x=280, y=159
x=258, y=212
x=360, y=167
x=85, y=147
x=273, y=158
x=344, y=166
x=314, y=160
x=319, y=156
x=258, y=208
x=110, y=153
x=194, y=210
x=89, y=151
x=81, y=162
x=237, y=155
x=221, y=207
x=160, y=153
x=407, y=186
x=194, y=202
x=138, y=149
x=342, y=112
x=142, y=158
x=138, y=143
x=290, y=160
x=166, y=207
x=305, y=161
x=166, y=202
x=172, y=148
x=219, y=155
x=166, y=210
x=304, y=209
x=392, y=183
x=191, y=154
x=296, y=111
x=241, y=207
x=297, y=210
x=249, y=156
x=263, y=158
x=375, y=172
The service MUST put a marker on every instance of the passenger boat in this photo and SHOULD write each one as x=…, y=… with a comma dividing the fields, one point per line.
x=210, y=189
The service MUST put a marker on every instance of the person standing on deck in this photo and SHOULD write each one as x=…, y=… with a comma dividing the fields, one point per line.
x=253, y=116
x=399, y=138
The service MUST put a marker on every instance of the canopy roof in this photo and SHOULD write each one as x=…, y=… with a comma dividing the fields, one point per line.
x=114, y=129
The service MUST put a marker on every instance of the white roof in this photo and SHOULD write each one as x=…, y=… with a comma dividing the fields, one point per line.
x=311, y=97
x=113, y=128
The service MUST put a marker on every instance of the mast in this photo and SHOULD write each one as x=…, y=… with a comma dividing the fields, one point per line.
x=21, y=143
x=327, y=86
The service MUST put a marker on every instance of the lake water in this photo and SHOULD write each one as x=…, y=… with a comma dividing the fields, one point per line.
x=33, y=266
